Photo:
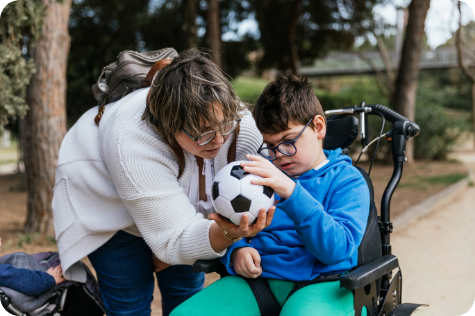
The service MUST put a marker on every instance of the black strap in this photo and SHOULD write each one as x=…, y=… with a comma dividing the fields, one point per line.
x=405, y=309
x=266, y=301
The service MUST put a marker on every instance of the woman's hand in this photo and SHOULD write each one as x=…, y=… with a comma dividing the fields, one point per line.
x=247, y=262
x=158, y=264
x=57, y=274
x=272, y=177
x=244, y=229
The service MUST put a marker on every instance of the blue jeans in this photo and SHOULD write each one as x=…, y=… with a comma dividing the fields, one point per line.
x=124, y=269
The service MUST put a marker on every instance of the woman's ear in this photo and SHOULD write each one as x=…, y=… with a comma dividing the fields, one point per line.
x=320, y=126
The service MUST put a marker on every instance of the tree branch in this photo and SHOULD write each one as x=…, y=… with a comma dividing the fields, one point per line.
x=387, y=62
x=383, y=81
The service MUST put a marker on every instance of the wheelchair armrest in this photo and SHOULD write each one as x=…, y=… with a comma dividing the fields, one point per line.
x=369, y=272
x=207, y=266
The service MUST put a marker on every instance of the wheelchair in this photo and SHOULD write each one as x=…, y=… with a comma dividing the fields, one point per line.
x=73, y=299
x=376, y=281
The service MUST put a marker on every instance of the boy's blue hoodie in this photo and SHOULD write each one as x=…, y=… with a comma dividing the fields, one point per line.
x=318, y=229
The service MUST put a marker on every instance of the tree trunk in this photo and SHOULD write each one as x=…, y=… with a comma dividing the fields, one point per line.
x=214, y=30
x=294, y=58
x=189, y=22
x=473, y=104
x=44, y=127
x=406, y=83
x=463, y=62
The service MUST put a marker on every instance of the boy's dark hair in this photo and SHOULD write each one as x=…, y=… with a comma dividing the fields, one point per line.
x=288, y=98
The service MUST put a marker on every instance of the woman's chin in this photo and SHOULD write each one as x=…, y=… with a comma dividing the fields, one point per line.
x=209, y=154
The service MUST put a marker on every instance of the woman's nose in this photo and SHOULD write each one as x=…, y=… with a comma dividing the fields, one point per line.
x=218, y=139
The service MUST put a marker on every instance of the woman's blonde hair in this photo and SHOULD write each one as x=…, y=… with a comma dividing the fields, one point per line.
x=184, y=94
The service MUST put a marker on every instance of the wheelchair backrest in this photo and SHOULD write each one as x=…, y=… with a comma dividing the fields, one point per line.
x=370, y=248
x=341, y=133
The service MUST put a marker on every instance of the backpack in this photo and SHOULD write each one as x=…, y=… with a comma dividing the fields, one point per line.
x=131, y=71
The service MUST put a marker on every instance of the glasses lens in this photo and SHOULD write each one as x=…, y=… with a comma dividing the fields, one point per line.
x=287, y=149
x=267, y=153
x=228, y=128
x=205, y=138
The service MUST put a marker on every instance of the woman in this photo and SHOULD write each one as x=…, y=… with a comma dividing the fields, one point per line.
x=140, y=184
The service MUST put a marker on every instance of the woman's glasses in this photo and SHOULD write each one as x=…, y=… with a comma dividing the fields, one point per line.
x=286, y=148
x=207, y=137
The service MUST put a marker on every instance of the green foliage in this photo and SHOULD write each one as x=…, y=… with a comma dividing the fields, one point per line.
x=439, y=131
x=350, y=91
x=20, y=20
x=451, y=89
x=446, y=179
x=26, y=239
x=422, y=182
x=249, y=89
x=100, y=29
x=322, y=25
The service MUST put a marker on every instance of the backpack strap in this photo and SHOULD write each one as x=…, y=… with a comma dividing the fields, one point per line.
x=232, y=148
x=147, y=82
x=266, y=300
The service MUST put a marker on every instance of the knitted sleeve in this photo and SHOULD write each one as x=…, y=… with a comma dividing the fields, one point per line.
x=144, y=171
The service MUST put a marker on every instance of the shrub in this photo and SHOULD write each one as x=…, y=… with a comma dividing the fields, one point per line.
x=439, y=131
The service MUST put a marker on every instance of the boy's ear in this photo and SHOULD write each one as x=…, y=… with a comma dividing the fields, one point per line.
x=320, y=126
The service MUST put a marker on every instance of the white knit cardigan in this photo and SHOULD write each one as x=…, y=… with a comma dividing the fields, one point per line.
x=122, y=173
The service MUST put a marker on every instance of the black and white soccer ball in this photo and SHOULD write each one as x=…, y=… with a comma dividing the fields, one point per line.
x=234, y=195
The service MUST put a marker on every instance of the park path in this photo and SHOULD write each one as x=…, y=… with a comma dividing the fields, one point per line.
x=437, y=254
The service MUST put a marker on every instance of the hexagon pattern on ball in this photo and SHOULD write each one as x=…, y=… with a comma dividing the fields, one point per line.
x=229, y=188
x=241, y=204
x=225, y=171
x=215, y=190
x=249, y=190
x=268, y=191
x=234, y=195
x=261, y=202
x=238, y=172
x=224, y=206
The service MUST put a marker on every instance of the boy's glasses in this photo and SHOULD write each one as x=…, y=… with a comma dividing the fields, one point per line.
x=286, y=148
x=207, y=137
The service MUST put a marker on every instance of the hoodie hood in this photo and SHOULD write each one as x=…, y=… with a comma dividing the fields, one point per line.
x=335, y=159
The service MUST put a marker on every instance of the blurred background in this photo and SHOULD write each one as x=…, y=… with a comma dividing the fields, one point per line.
x=417, y=57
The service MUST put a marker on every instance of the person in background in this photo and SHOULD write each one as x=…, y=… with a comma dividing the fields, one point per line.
x=29, y=282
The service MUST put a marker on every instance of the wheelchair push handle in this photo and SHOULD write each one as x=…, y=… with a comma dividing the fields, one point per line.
x=410, y=129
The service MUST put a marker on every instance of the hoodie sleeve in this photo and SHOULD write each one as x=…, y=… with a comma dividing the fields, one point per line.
x=334, y=234
x=25, y=281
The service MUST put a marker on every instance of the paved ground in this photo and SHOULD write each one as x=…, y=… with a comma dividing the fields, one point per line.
x=437, y=254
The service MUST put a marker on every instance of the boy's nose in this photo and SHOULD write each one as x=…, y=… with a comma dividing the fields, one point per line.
x=278, y=154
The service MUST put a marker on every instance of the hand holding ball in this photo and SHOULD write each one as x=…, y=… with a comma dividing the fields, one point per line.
x=234, y=195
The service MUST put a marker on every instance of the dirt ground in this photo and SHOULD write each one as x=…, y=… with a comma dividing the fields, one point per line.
x=420, y=181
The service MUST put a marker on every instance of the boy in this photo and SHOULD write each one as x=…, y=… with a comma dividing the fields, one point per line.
x=29, y=282
x=319, y=222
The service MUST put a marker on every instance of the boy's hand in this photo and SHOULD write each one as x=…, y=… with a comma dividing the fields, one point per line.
x=273, y=177
x=247, y=262
x=57, y=274
x=244, y=229
x=158, y=264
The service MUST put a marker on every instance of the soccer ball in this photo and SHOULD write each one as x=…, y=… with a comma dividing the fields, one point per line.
x=234, y=195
